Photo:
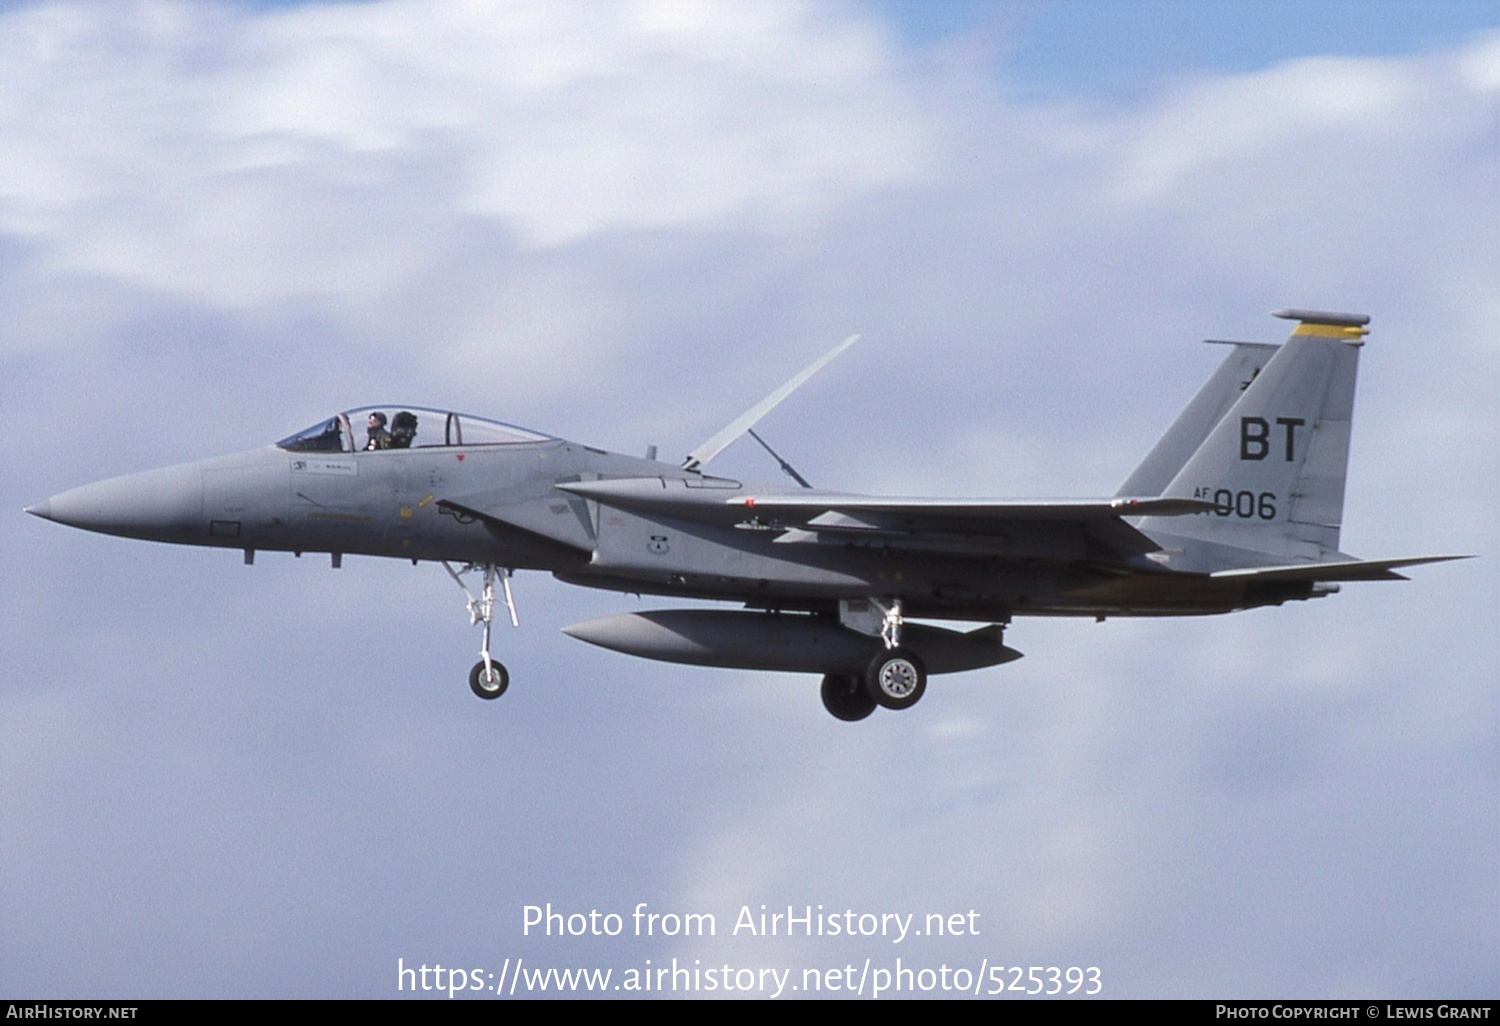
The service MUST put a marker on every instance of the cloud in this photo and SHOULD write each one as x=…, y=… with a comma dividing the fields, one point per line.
x=332, y=150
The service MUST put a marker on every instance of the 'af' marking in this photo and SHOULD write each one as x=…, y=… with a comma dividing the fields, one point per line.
x=1255, y=436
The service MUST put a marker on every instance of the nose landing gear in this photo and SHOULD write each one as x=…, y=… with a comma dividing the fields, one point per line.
x=489, y=677
x=489, y=681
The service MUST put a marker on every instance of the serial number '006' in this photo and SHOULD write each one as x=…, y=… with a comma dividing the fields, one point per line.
x=1245, y=504
x=1045, y=980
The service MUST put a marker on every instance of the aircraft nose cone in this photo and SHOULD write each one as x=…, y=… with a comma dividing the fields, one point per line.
x=163, y=505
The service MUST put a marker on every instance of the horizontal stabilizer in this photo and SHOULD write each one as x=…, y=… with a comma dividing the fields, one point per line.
x=1347, y=570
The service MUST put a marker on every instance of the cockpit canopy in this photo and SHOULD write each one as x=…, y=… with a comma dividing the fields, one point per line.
x=404, y=427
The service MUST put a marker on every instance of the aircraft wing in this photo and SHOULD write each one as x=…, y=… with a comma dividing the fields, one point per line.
x=1047, y=527
x=724, y=502
x=798, y=506
x=1063, y=530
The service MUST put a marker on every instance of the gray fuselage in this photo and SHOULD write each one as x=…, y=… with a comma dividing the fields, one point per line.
x=500, y=504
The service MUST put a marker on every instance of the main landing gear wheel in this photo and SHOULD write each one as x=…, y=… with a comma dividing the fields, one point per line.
x=846, y=698
x=896, y=679
x=491, y=682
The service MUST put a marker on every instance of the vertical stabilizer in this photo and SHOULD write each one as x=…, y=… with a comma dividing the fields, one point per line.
x=1274, y=464
x=1240, y=366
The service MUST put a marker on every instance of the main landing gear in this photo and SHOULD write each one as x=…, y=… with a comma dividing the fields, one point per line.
x=846, y=697
x=489, y=677
x=895, y=678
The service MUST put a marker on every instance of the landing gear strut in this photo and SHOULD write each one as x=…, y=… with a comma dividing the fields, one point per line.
x=890, y=629
x=489, y=677
x=895, y=678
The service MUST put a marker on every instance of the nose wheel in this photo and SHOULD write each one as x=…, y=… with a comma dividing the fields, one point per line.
x=489, y=678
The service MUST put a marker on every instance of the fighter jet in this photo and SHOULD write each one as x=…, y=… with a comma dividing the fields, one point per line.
x=1238, y=505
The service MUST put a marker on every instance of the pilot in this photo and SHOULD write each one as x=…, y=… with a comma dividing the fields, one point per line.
x=379, y=437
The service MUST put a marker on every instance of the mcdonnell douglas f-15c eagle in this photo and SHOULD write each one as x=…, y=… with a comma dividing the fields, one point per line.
x=1238, y=505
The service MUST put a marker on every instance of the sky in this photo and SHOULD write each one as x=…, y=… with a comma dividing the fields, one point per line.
x=623, y=223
